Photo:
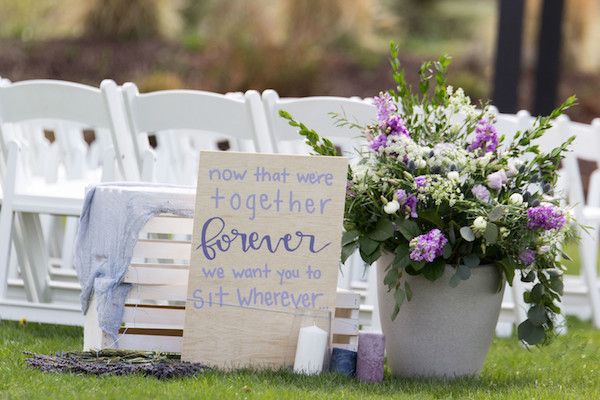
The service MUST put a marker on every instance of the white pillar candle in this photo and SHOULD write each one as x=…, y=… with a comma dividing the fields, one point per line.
x=310, y=351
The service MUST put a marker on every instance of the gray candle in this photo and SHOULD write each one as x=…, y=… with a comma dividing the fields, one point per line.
x=369, y=361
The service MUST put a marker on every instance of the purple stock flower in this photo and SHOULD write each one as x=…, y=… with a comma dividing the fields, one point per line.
x=385, y=107
x=378, y=142
x=408, y=201
x=350, y=189
x=486, y=137
x=428, y=246
x=545, y=217
x=396, y=126
x=481, y=193
x=497, y=179
x=420, y=181
x=527, y=257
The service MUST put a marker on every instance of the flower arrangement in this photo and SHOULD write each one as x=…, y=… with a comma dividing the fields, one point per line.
x=437, y=184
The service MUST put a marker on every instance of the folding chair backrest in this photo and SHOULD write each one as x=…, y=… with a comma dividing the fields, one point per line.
x=187, y=120
x=585, y=147
x=509, y=124
x=314, y=112
x=28, y=107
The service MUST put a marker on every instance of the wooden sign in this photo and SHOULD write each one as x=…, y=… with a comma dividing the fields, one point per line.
x=265, y=256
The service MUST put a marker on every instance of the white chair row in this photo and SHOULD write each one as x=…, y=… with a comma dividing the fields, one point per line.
x=40, y=177
x=183, y=121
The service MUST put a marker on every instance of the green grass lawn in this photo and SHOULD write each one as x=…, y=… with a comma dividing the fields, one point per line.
x=569, y=368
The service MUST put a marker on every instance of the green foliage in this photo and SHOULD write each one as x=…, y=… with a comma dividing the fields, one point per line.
x=320, y=145
x=477, y=196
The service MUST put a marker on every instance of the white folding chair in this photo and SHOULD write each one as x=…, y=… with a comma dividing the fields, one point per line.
x=186, y=121
x=315, y=113
x=37, y=290
x=582, y=293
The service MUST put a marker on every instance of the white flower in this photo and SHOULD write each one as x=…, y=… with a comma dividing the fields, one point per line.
x=420, y=163
x=543, y=249
x=516, y=199
x=484, y=160
x=504, y=232
x=453, y=175
x=513, y=167
x=391, y=207
x=480, y=223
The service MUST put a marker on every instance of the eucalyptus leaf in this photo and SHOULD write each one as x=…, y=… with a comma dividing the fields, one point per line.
x=367, y=245
x=557, y=285
x=467, y=234
x=447, y=252
x=496, y=214
x=530, y=333
x=349, y=237
x=537, y=293
x=371, y=258
x=491, y=233
x=348, y=250
x=391, y=278
x=529, y=277
x=435, y=269
x=537, y=315
x=408, y=290
x=399, y=296
x=464, y=272
x=455, y=280
x=417, y=265
x=383, y=230
x=471, y=260
x=395, y=312
x=408, y=228
x=452, y=234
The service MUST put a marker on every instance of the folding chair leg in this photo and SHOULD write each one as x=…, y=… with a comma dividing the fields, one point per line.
x=521, y=308
x=35, y=272
x=68, y=243
x=6, y=225
x=588, y=251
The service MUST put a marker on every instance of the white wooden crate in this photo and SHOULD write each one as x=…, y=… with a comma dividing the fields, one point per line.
x=154, y=312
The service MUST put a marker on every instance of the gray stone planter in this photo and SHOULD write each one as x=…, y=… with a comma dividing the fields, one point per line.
x=443, y=332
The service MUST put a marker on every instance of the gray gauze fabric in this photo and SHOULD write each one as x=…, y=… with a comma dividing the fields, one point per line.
x=113, y=215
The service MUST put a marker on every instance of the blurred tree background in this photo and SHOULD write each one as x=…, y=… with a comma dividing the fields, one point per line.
x=298, y=47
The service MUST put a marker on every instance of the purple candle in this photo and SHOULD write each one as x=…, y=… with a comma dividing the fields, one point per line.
x=369, y=361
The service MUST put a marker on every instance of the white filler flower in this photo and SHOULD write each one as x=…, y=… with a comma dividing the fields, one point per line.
x=480, y=223
x=516, y=199
x=391, y=207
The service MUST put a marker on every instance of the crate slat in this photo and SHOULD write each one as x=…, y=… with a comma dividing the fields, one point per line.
x=169, y=224
x=162, y=249
x=156, y=276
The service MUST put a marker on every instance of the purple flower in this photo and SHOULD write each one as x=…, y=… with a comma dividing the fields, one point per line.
x=545, y=217
x=350, y=189
x=486, y=137
x=385, y=107
x=408, y=201
x=527, y=257
x=380, y=141
x=396, y=126
x=428, y=246
x=497, y=179
x=411, y=205
x=481, y=193
x=420, y=181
